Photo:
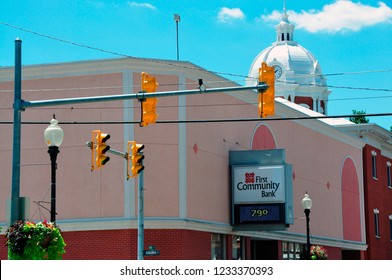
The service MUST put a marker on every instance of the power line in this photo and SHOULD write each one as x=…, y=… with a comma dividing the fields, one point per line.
x=193, y=83
x=174, y=64
x=113, y=52
x=358, y=72
x=205, y=120
x=332, y=86
x=194, y=68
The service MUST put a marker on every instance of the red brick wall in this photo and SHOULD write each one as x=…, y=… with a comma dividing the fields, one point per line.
x=173, y=244
x=377, y=195
x=304, y=100
x=3, y=248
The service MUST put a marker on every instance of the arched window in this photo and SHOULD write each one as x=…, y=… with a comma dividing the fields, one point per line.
x=351, y=209
x=263, y=139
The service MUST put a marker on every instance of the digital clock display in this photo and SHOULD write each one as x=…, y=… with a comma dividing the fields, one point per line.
x=259, y=213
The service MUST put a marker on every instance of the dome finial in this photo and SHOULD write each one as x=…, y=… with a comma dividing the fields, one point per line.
x=284, y=30
x=285, y=17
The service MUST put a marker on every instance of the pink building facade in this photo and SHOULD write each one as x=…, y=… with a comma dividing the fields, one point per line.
x=187, y=174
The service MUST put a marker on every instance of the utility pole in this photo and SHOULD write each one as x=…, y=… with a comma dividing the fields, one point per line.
x=15, y=189
x=140, y=217
x=177, y=20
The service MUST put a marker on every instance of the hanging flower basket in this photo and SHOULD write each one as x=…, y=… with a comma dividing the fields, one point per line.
x=34, y=241
x=318, y=253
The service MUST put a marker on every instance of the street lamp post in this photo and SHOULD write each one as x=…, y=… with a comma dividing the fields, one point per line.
x=306, y=205
x=54, y=136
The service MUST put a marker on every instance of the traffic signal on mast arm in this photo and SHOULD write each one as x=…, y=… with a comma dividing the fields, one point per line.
x=149, y=114
x=134, y=159
x=98, y=149
x=267, y=97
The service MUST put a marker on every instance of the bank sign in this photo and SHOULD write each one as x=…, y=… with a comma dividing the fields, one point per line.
x=258, y=184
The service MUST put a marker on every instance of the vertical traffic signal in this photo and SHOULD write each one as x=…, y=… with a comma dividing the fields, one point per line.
x=134, y=159
x=149, y=114
x=98, y=149
x=267, y=98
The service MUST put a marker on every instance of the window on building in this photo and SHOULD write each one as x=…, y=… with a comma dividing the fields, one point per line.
x=292, y=251
x=376, y=222
x=217, y=247
x=238, y=247
x=288, y=36
x=374, y=164
x=389, y=176
x=390, y=227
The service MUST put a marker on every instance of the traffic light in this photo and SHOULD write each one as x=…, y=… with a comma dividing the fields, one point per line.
x=149, y=114
x=134, y=159
x=267, y=98
x=98, y=149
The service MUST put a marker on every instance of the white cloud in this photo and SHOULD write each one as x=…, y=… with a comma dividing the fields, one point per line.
x=343, y=15
x=142, y=5
x=227, y=14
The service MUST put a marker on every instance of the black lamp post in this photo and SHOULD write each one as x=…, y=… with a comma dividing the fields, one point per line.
x=53, y=137
x=307, y=204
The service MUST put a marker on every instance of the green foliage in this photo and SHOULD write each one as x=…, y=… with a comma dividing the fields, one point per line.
x=360, y=118
x=34, y=241
x=318, y=253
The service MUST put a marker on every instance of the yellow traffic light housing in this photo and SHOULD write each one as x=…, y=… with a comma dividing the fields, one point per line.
x=149, y=114
x=134, y=159
x=267, y=98
x=98, y=149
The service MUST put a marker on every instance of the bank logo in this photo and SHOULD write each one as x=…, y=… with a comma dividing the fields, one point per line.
x=249, y=178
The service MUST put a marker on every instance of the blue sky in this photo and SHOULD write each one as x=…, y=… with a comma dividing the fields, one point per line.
x=348, y=37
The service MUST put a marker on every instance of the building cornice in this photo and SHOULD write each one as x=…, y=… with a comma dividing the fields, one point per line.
x=287, y=109
x=372, y=134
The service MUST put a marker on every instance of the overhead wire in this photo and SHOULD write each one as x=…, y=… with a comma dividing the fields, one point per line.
x=193, y=68
x=172, y=63
x=175, y=64
x=206, y=120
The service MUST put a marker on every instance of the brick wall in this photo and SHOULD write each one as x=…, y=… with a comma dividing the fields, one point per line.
x=173, y=244
x=3, y=248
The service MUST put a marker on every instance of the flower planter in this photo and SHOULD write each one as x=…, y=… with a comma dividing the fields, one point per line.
x=34, y=241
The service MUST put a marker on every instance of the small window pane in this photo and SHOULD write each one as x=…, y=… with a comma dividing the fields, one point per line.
x=236, y=247
x=216, y=247
x=374, y=166
x=376, y=225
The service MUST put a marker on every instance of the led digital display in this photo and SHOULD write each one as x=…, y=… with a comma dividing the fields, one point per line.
x=259, y=213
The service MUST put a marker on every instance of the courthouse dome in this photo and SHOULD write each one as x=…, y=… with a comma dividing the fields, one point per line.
x=298, y=75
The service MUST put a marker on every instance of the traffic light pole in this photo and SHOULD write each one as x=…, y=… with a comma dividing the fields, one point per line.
x=114, y=152
x=140, y=217
x=139, y=96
